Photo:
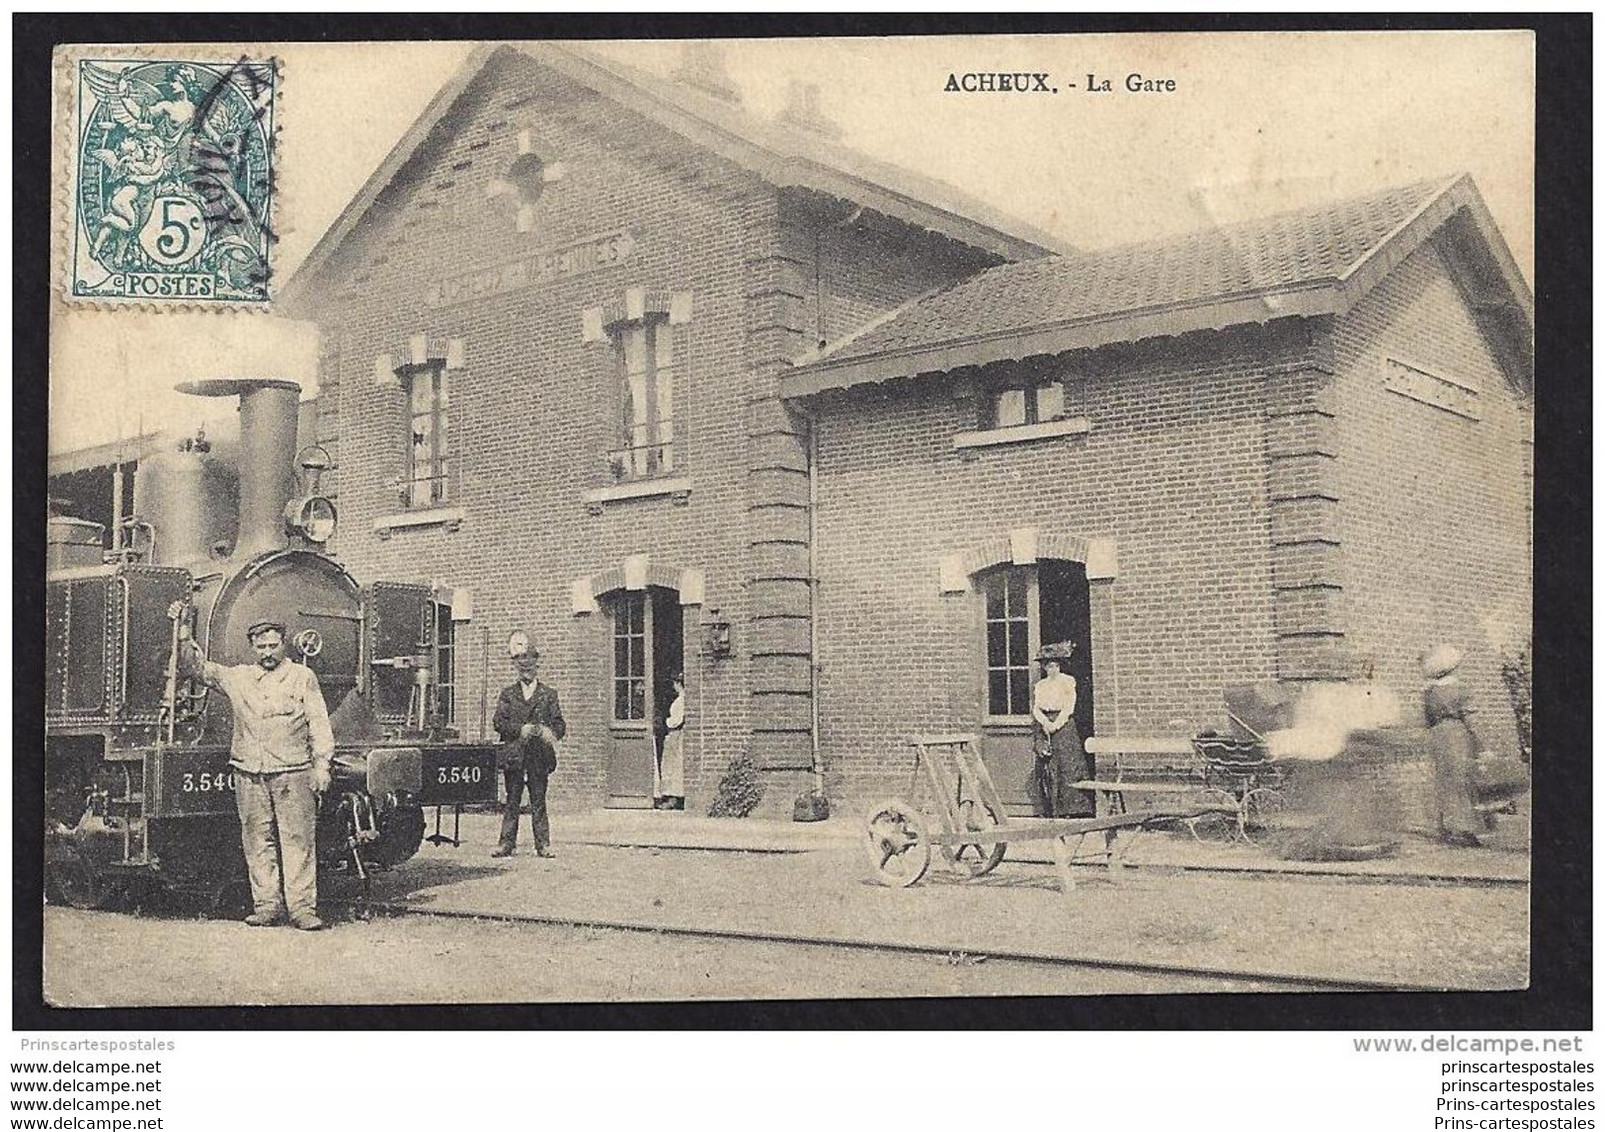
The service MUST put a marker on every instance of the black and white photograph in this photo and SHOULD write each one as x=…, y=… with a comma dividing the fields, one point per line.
x=692, y=520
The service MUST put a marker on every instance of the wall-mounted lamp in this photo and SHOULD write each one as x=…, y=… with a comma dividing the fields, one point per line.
x=716, y=641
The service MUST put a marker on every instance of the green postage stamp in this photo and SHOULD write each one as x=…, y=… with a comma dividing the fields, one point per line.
x=173, y=179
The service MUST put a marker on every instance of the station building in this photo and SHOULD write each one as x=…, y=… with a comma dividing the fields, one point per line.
x=676, y=390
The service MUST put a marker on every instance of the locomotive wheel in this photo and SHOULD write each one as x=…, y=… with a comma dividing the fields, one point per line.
x=978, y=860
x=899, y=850
x=77, y=881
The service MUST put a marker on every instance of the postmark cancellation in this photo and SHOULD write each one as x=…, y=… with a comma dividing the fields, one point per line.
x=171, y=179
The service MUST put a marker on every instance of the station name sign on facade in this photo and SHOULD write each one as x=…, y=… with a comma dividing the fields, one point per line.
x=579, y=258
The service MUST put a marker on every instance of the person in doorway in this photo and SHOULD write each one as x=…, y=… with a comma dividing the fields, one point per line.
x=530, y=722
x=668, y=774
x=280, y=754
x=1454, y=746
x=1061, y=759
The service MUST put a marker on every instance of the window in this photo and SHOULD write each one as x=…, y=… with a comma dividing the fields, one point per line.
x=629, y=657
x=1008, y=642
x=428, y=451
x=646, y=363
x=445, y=665
x=1032, y=402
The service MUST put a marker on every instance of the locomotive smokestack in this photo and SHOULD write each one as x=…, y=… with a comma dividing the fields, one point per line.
x=268, y=410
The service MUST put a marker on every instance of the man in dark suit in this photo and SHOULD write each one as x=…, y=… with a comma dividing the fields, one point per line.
x=530, y=723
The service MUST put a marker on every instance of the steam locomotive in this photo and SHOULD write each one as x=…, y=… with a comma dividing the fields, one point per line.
x=138, y=787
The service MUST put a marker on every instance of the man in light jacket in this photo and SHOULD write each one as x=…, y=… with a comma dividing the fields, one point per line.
x=280, y=753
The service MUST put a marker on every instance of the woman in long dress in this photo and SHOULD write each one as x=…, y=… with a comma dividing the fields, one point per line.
x=1061, y=756
x=668, y=787
x=1454, y=747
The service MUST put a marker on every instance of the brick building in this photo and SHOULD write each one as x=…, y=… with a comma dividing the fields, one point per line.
x=677, y=390
x=1289, y=450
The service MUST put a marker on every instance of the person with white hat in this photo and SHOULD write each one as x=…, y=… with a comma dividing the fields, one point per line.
x=1453, y=745
x=530, y=723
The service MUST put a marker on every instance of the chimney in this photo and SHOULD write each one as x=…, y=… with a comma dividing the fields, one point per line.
x=702, y=68
x=802, y=111
x=269, y=409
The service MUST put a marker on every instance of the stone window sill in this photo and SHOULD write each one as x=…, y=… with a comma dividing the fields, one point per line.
x=677, y=486
x=449, y=517
x=1020, y=434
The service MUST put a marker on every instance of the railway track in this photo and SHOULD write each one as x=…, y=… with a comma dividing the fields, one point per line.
x=1248, y=980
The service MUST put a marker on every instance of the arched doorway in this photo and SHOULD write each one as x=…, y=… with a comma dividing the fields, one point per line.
x=648, y=650
x=1023, y=607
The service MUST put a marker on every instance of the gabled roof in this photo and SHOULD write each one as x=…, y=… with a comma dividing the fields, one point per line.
x=783, y=156
x=1304, y=263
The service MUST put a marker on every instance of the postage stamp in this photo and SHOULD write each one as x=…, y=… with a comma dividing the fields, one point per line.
x=173, y=180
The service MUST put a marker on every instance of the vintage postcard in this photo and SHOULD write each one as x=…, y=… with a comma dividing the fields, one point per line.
x=789, y=518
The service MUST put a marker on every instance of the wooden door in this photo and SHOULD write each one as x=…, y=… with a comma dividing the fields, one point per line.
x=1009, y=640
x=648, y=652
x=630, y=742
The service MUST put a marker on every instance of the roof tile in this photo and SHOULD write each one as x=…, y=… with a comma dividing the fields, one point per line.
x=1291, y=250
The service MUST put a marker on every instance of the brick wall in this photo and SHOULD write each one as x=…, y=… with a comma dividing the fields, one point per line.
x=1173, y=471
x=533, y=409
x=820, y=270
x=533, y=412
x=866, y=270
x=1435, y=507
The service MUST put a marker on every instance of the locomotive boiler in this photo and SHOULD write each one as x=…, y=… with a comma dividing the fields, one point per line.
x=138, y=787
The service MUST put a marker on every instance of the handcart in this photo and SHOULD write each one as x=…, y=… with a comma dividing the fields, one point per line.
x=1238, y=775
x=972, y=829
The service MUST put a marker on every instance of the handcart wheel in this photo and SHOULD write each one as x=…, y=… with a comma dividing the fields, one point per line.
x=1258, y=812
x=978, y=860
x=899, y=850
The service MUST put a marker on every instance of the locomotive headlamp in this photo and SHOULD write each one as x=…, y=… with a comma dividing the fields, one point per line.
x=313, y=517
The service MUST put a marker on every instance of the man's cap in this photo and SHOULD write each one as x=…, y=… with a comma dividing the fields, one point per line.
x=519, y=645
x=259, y=627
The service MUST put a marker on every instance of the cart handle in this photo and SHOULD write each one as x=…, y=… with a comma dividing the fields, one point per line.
x=1231, y=716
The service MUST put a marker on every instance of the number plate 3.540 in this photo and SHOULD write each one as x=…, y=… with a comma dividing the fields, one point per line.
x=192, y=782
x=459, y=775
